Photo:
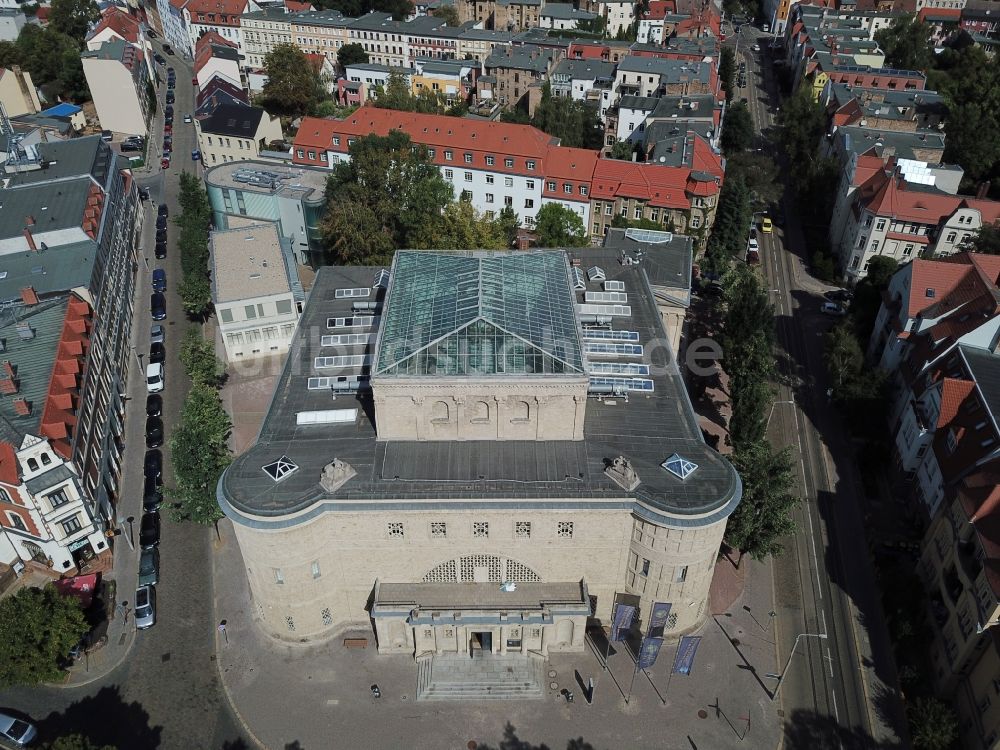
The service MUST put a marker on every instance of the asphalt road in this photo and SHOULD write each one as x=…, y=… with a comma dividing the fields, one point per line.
x=836, y=692
x=166, y=694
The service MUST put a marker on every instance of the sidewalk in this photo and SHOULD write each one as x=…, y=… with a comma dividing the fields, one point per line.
x=324, y=687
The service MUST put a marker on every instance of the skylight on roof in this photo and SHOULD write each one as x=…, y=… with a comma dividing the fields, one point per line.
x=679, y=466
x=280, y=469
x=381, y=279
x=595, y=273
x=929, y=293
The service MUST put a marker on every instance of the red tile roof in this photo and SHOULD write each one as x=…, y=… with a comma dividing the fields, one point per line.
x=895, y=200
x=216, y=12
x=658, y=185
x=953, y=394
x=294, y=6
x=940, y=276
x=8, y=464
x=658, y=9
x=119, y=22
x=210, y=37
x=59, y=414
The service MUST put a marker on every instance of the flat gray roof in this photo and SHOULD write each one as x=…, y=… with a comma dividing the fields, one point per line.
x=647, y=429
x=291, y=182
x=247, y=263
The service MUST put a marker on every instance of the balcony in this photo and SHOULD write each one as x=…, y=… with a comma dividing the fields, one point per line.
x=952, y=584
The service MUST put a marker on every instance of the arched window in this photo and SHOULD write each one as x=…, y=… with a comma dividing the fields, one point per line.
x=34, y=551
x=439, y=412
x=480, y=412
x=5, y=496
x=32, y=464
x=521, y=412
x=46, y=459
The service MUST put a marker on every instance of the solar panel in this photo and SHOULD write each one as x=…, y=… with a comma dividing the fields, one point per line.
x=356, y=321
x=614, y=310
x=628, y=384
x=619, y=297
x=614, y=286
x=346, y=360
x=349, y=293
x=346, y=339
x=597, y=334
x=614, y=349
x=617, y=368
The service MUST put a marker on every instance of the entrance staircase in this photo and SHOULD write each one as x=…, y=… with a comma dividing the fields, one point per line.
x=457, y=677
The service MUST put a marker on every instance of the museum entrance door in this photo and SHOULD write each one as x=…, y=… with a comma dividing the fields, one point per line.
x=481, y=643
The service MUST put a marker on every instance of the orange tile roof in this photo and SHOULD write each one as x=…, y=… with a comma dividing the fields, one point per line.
x=660, y=186
x=224, y=12
x=894, y=200
x=294, y=6
x=59, y=416
x=571, y=163
x=953, y=394
x=937, y=275
x=658, y=9
x=120, y=22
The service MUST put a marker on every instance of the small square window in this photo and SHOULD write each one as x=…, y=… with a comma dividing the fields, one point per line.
x=395, y=529
x=509, y=163
x=564, y=529
x=327, y=616
x=645, y=567
x=468, y=158
x=529, y=184
x=489, y=161
x=447, y=155
x=480, y=529
x=439, y=529
x=522, y=529
x=468, y=176
x=680, y=574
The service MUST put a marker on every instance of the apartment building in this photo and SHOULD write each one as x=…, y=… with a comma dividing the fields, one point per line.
x=220, y=16
x=518, y=69
x=78, y=220
x=175, y=26
x=588, y=81
x=904, y=111
x=657, y=24
x=117, y=24
x=262, y=31
x=618, y=15
x=321, y=32
x=215, y=57
x=500, y=15
x=255, y=290
x=563, y=16
x=118, y=78
x=383, y=39
x=652, y=76
x=235, y=133
x=633, y=115
x=478, y=44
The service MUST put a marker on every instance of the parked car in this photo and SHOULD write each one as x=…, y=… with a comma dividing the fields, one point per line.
x=107, y=136
x=839, y=295
x=752, y=244
x=168, y=120
x=152, y=466
x=165, y=162
x=159, y=280
x=187, y=118
x=128, y=148
x=171, y=71
x=168, y=110
x=161, y=249
x=167, y=49
x=152, y=495
x=144, y=194
x=154, y=432
x=149, y=567
x=167, y=150
x=149, y=530
x=157, y=306
x=168, y=128
x=196, y=155
x=154, y=404
x=154, y=377
x=156, y=334
x=20, y=732
x=161, y=222
x=832, y=308
x=145, y=607
x=756, y=48
x=151, y=34
x=170, y=96
x=160, y=59
x=161, y=235
x=157, y=353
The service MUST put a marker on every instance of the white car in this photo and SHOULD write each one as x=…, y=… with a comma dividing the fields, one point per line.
x=21, y=733
x=832, y=308
x=756, y=48
x=187, y=118
x=154, y=377
x=752, y=244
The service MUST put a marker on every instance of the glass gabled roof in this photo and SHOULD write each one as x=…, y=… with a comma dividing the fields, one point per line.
x=479, y=314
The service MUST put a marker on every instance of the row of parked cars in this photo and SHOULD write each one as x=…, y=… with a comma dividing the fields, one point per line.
x=168, y=119
x=152, y=494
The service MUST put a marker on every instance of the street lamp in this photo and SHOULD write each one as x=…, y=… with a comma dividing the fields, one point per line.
x=781, y=677
x=771, y=413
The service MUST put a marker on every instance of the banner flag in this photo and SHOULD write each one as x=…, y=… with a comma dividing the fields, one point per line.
x=658, y=620
x=686, y=650
x=621, y=621
x=648, y=652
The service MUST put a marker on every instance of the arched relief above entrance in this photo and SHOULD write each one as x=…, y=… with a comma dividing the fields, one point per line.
x=480, y=569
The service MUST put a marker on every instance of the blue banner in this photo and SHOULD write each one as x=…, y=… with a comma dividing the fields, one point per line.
x=686, y=650
x=648, y=652
x=621, y=621
x=658, y=619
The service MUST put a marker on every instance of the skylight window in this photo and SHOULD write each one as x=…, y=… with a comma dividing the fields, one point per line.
x=679, y=466
x=929, y=293
x=595, y=273
x=280, y=469
x=381, y=279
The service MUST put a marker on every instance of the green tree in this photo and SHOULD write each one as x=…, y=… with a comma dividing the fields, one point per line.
x=558, y=226
x=53, y=59
x=622, y=150
x=595, y=27
x=448, y=14
x=986, y=240
x=906, y=43
x=293, y=86
x=509, y=224
x=194, y=222
x=732, y=225
x=73, y=17
x=843, y=355
x=759, y=173
x=355, y=234
x=933, y=725
x=459, y=227
x=76, y=742
x=737, y=130
x=200, y=453
x=727, y=72
x=764, y=516
x=195, y=292
x=197, y=354
x=573, y=122
x=38, y=627
x=801, y=123
x=396, y=95
x=351, y=54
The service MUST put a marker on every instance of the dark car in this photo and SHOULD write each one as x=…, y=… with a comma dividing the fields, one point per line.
x=161, y=235
x=161, y=222
x=128, y=148
x=167, y=49
x=149, y=530
x=170, y=71
x=149, y=567
x=162, y=210
x=161, y=250
x=154, y=432
x=159, y=280
x=152, y=495
x=170, y=85
x=151, y=34
x=839, y=295
x=160, y=59
x=157, y=306
x=170, y=97
x=168, y=111
x=144, y=194
x=157, y=353
x=154, y=404
x=152, y=467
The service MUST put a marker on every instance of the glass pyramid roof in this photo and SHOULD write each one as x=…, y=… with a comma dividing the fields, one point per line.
x=479, y=314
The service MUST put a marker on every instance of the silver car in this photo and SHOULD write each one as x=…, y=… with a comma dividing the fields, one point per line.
x=156, y=334
x=21, y=733
x=145, y=607
x=149, y=567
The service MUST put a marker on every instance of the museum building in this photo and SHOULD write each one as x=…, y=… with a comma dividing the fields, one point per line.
x=477, y=451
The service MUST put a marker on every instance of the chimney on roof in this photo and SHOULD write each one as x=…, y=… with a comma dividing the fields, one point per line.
x=29, y=220
x=22, y=407
x=30, y=238
x=28, y=296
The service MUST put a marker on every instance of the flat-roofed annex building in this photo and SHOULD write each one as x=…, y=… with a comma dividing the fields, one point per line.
x=467, y=425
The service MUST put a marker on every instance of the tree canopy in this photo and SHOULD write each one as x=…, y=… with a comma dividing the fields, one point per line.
x=732, y=223
x=448, y=14
x=52, y=58
x=293, y=86
x=737, y=130
x=351, y=54
x=396, y=95
x=38, y=627
x=382, y=199
x=622, y=150
x=986, y=240
x=932, y=724
x=727, y=72
x=575, y=123
x=763, y=517
x=558, y=226
x=398, y=9
x=73, y=17
x=200, y=452
x=196, y=214
x=906, y=43
x=459, y=227
x=76, y=742
x=197, y=354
